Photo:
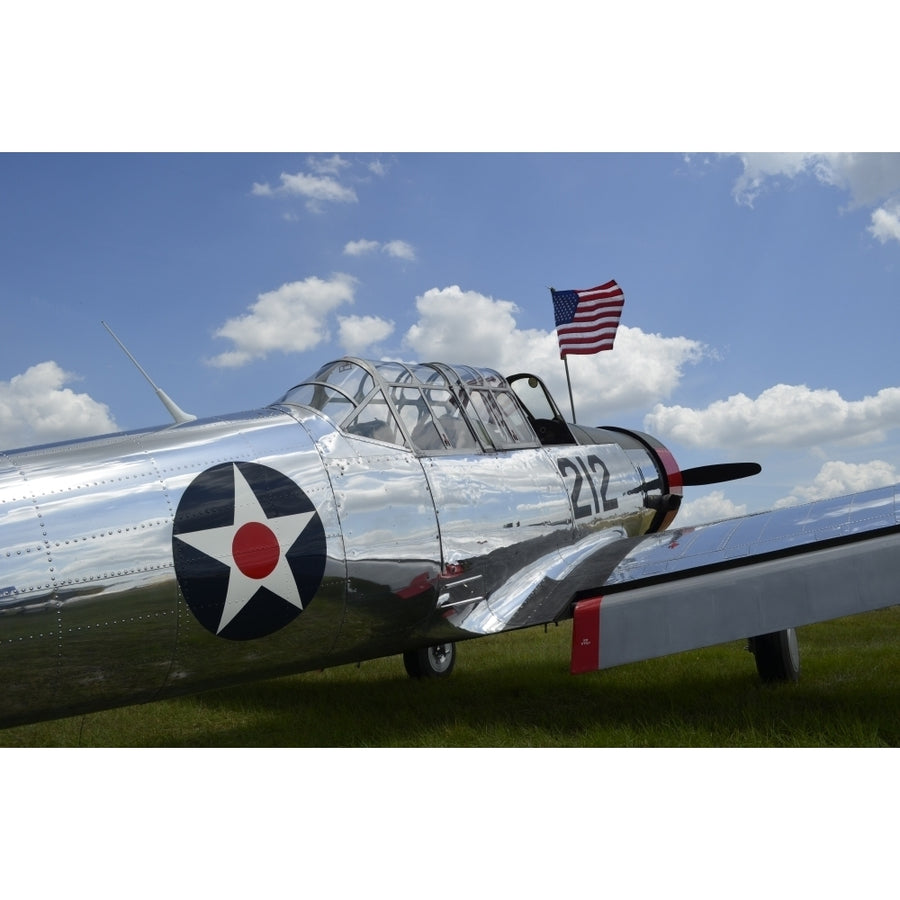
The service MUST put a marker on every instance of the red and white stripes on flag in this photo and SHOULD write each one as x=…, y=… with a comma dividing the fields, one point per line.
x=586, y=321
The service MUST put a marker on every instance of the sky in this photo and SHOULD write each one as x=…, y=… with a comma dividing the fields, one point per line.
x=761, y=292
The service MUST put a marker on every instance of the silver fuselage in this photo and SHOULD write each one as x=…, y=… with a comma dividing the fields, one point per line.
x=417, y=549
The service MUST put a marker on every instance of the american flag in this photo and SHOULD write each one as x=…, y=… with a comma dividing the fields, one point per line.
x=586, y=321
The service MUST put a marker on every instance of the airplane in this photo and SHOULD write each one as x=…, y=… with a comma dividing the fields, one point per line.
x=383, y=508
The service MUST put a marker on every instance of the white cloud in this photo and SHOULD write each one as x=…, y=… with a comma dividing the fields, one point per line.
x=468, y=327
x=781, y=416
x=761, y=167
x=290, y=319
x=360, y=247
x=35, y=407
x=837, y=478
x=358, y=333
x=465, y=326
x=711, y=508
x=397, y=249
x=886, y=223
x=871, y=179
x=317, y=189
x=327, y=165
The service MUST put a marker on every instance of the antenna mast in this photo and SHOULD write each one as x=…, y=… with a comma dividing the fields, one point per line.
x=175, y=411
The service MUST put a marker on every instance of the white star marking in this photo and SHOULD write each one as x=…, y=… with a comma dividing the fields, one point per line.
x=218, y=543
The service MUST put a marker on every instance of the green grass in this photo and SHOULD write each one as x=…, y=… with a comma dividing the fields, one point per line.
x=515, y=690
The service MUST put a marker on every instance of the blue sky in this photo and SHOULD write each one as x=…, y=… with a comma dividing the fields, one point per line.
x=761, y=291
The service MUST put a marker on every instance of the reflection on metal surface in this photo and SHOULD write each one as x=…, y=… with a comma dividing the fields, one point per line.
x=538, y=592
x=780, y=531
x=377, y=507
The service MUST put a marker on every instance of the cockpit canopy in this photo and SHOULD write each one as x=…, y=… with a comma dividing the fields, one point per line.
x=429, y=408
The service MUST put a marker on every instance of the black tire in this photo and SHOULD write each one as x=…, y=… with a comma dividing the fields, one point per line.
x=777, y=655
x=430, y=662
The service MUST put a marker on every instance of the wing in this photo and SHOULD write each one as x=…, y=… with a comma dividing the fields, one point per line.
x=743, y=577
x=638, y=598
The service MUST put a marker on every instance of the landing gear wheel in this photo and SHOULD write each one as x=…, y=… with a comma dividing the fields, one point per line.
x=777, y=655
x=430, y=662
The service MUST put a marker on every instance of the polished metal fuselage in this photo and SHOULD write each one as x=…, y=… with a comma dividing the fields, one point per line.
x=418, y=549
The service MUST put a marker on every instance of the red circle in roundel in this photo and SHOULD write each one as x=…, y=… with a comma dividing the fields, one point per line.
x=255, y=550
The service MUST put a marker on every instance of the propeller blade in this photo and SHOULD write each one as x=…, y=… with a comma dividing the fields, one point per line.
x=713, y=474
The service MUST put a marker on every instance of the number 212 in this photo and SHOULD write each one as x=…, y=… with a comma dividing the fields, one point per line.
x=585, y=470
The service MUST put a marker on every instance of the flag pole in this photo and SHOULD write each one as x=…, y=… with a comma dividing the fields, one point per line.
x=569, y=383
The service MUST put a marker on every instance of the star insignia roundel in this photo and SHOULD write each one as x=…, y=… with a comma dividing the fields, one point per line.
x=249, y=550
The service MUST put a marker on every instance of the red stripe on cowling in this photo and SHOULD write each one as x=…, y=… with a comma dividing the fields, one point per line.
x=673, y=476
x=586, y=636
x=673, y=472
